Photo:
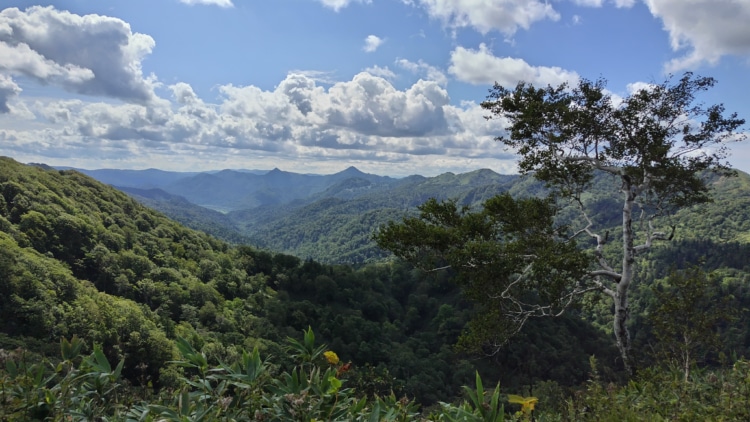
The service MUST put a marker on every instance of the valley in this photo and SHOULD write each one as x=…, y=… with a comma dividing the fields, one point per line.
x=81, y=259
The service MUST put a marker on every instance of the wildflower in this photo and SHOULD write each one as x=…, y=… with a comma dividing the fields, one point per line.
x=331, y=357
x=343, y=368
x=527, y=403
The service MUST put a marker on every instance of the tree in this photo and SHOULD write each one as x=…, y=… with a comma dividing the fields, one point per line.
x=690, y=310
x=656, y=144
x=510, y=258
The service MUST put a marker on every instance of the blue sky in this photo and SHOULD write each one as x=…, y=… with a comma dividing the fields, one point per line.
x=389, y=86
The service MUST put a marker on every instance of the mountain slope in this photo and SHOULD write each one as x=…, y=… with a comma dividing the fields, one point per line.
x=230, y=190
x=141, y=179
x=79, y=258
x=293, y=213
x=185, y=212
x=336, y=225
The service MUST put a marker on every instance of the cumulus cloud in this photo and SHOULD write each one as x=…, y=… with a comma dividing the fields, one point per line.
x=370, y=105
x=708, y=29
x=220, y=3
x=372, y=42
x=383, y=72
x=337, y=5
x=183, y=93
x=482, y=67
x=318, y=76
x=8, y=90
x=92, y=54
x=299, y=89
x=505, y=16
x=21, y=59
x=59, y=111
x=432, y=73
x=634, y=87
x=365, y=118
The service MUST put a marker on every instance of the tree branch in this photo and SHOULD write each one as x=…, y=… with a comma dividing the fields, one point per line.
x=600, y=242
x=653, y=236
x=595, y=162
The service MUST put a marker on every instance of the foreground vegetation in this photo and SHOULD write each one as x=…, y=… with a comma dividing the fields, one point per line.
x=316, y=388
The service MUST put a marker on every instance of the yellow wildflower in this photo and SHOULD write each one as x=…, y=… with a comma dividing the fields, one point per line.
x=527, y=403
x=331, y=357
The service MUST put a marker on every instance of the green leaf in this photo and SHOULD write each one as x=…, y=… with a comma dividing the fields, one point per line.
x=70, y=349
x=102, y=364
x=335, y=384
x=12, y=368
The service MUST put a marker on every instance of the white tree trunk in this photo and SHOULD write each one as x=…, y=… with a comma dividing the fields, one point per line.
x=622, y=309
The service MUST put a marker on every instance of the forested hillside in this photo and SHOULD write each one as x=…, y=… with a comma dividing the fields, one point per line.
x=328, y=218
x=81, y=258
x=335, y=225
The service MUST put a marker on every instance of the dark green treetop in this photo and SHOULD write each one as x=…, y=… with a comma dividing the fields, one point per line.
x=659, y=138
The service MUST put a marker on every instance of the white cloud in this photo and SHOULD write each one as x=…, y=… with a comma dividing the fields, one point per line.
x=21, y=59
x=589, y=3
x=184, y=93
x=299, y=89
x=600, y=3
x=59, y=111
x=372, y=42
x=709, y=29
x=634, y=87
x=383, y=72
x=482, y=67
x=505, y=16
x=319, y=76
x=365, y=118
x=92, y=54
x=432, y=73
x=337, y=5
x=8, y=90
x=372, y=106
x=220, y=3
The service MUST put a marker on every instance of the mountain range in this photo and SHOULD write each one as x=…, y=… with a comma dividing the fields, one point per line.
x=331, y=218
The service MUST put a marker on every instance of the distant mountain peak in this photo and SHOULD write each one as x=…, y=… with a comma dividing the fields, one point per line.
x=351, y=170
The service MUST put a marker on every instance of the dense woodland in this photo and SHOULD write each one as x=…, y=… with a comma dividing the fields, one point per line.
x=326, y=218
x=117, y=281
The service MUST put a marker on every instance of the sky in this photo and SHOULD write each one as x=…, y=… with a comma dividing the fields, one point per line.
x=392, y=87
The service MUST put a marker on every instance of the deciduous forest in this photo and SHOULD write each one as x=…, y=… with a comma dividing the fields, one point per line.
x=463, y=297
x=87, y=269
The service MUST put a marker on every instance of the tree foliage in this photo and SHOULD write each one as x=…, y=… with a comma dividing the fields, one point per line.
x=656, y=143
x=688, y=317
x=659, y=139
x=509, y=257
